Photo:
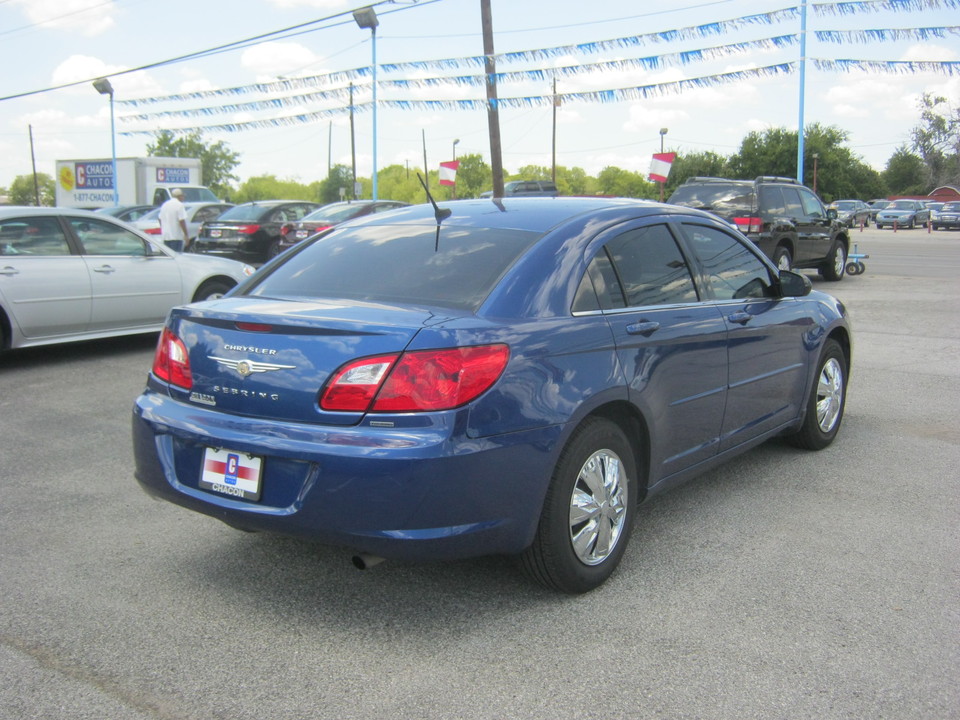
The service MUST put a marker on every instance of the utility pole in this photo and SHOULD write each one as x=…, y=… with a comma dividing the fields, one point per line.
x=33, y=161
x=493, y=112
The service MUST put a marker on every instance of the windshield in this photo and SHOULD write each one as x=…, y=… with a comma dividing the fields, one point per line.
x=399, y=264
x=845, y=205
x=951, y=207
x=901, y=205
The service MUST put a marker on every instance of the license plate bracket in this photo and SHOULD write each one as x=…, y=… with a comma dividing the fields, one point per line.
x=228, y=472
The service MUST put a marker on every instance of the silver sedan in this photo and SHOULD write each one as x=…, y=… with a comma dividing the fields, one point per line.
x=70, y=275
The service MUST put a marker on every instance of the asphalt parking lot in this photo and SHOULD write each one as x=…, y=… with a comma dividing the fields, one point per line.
x=786, y=584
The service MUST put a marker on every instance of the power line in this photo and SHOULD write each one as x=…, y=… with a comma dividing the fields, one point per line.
x=256, y=39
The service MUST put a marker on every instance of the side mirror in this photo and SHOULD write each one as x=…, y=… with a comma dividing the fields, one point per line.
x=832, y=214
x=794, y=284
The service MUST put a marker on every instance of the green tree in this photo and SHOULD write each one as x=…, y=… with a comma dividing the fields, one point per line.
x=23, y=192
x=700, y=164
x=217, y=160
x=328, y=191
x=268, y=187
x=906, y=173
x=625, y=183
x=771, y=152
x=473, y=176
x=937, y=140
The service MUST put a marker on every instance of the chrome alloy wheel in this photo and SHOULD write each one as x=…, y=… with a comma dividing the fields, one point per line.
x=829, y=394
x=598, y=507
x=839, y=260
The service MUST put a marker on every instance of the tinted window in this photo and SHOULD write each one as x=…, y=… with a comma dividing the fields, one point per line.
x=771, y=200
x=732, y=270
x=102, y=238
x=599, y=286
x=32, y=236
x=812, y=207
x=791, y=202
x=398, y=263
x=650, y=267
x=246, y=212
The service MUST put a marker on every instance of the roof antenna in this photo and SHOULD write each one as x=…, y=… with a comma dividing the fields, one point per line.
x=440, y=214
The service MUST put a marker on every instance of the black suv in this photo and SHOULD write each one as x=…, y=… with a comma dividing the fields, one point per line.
x=785, y=219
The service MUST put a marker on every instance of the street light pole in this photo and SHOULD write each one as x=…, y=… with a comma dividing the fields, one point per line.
x=367, y=18
x=104, y=87
x=453, y=192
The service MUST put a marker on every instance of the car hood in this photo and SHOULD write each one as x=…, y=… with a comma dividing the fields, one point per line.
x=897, y=212
x=205, y=265
x=271, y=358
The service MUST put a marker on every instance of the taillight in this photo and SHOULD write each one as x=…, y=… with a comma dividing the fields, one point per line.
x=152, y=231
x=748, y=224
x=419, y=381
x=171, y=362
x=286, y=230
x=247, y=229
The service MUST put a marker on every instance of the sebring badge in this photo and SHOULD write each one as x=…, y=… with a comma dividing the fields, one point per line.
x=249, y=367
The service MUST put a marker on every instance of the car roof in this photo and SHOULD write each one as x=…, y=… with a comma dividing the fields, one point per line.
x=536, y=214
x=30, y=210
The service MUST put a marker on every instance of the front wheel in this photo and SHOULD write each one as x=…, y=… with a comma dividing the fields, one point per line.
x=588, y=512
x=211, y=290
x=828, y=398
x=835, y=263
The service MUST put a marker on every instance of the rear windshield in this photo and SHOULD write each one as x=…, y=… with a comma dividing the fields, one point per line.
x=725, y=199
x=399, y=264
x=245, y=212
x=333, y=213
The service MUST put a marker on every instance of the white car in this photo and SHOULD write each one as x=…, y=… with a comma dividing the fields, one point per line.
x=197, y=214
x=70, y=275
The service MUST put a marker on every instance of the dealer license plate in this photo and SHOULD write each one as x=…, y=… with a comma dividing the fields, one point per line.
x=216, y=233
x=231, y=473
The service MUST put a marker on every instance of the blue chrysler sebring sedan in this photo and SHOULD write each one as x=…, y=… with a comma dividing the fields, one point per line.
x=490, y=377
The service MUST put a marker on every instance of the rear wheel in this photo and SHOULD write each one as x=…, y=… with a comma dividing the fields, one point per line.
x=835, y=262
x=588, y=513
x=782, y=258
x=827, y=400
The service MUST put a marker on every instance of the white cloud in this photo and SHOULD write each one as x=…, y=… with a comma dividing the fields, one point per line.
x=273, y=59
x=90, y=17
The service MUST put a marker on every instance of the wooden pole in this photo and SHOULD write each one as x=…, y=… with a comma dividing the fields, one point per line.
x=493, y=112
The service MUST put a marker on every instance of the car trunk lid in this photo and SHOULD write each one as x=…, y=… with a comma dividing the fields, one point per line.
x=271, y=358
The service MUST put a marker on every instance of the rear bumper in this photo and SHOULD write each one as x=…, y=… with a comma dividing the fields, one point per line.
x=431, y=493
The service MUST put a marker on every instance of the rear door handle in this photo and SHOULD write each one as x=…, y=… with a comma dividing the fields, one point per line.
x=104, y=269
x=740, y=318
x=9, y=271
x=643, y=328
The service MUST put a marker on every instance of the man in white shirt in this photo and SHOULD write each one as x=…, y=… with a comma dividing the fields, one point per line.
x=173, y=222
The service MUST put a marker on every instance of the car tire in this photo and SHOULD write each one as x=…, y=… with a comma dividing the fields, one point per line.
x=211, y=290
x=910, y=226
x=782, y=258
x=273, y=250
x=879, y=226
x=835, y=263
x=588, y=512
x=826, y=402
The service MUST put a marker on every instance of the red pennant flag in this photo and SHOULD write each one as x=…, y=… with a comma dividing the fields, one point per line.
x=660, y=166
x=448, y=172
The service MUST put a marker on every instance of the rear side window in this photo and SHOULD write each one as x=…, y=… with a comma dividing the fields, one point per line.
x=650, y=267
x=771, y=201
x=398, y=263
x=32, y=236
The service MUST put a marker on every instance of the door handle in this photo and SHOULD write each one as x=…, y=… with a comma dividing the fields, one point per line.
x=740, y=318
x=104, y=269
x=9, y=271
x=643, y=328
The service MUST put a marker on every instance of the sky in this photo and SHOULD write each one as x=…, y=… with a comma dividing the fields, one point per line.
x=48, y=43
